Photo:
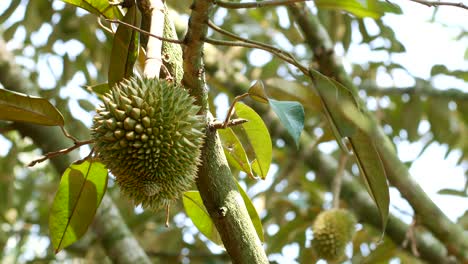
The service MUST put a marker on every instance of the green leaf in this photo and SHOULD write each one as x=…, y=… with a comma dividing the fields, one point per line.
x=372, y=172
x=97, y=7
x=453, y=192
x=330, y=96
x=99, y=89
x=196, y=210
x=259, y=139
x=291, y=115
x=234, y=151
x=257, y=92
x=80, y=192
x=124, y=48
x=352, y=6
x=24, y=108
x=252, y=213
x=293, y=91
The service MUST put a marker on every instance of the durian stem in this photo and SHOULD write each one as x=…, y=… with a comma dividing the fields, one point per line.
x=231, y=108
x=338, y=179
x=168, y=213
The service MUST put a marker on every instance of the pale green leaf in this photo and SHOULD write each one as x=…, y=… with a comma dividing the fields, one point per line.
x=259, y=139
x=97, y=7
x=291, y=115
x=196, y=210
x=24, y=108
x=252, y=213
x=99, y=89
x=352, y=6
x=234, y=151
x=80, y=192
x=124, y=48
x=293, y=91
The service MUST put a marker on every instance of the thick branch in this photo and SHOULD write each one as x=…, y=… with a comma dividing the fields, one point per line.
x=215, y=182
x=124, y=247
x=452, y=235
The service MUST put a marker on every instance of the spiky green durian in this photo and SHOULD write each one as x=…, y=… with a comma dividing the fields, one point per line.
x=333, y=229
x=149, y=136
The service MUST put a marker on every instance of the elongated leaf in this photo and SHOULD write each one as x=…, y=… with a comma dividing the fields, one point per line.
x=372, y=172
x=80, y=192
x=196, y=210
x=259, y=139
x=344, y=114
x=293, y=91
x=330, y=95
x=234, y=151
x=252, y=213
x=24, y=108
x=97, y=7
x=352, y=6
x=291, y=115
x=124, y=48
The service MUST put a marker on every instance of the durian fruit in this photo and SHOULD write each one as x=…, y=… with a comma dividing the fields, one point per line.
x=332, y=230
x=149, y=136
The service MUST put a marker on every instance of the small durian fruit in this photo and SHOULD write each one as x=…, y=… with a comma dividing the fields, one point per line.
x=332, y=230
x=149, y=136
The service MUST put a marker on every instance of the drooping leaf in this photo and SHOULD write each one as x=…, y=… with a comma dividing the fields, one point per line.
x=257, y=92
x=196, y=210
x=330, y=95
x=24, y=108
x=413, y=110
x=97, y=7
x=124, y=48
x=79, y=194
x=291, y=115
x=234, y=151
x=99, y=89
x=252, y=213
x=259, y=139
x=372, y=172
x=352, y=6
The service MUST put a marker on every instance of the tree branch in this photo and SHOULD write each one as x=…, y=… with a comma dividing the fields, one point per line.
x=271, y=3
x=451, y=234
x=215, y=182
x=120, y=246
x=439, y=3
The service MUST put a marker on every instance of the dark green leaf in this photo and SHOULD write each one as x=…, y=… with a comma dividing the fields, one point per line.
x=259, y=139
x=234, y=151
x=196, y=210
x=257, y=92
x=80, y=192
x=24, y=108
x=372, y=172
x=291, y=115
x=124, y=48
x=252, y=213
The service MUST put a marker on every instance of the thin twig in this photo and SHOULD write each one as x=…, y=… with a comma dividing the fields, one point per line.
x=337, y=180
x=272, y=3
x=438, y=3
x=175, y=41
x=60, y=152
x=302, y=68
x=410, y=237
x=231, y=108
x=231, y=123
x=68, y=135
x=276, y=51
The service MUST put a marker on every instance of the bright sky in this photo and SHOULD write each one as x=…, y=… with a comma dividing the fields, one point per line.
x=426, y=44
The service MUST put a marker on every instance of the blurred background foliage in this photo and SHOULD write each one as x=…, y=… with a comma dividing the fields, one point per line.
x=63, y=49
